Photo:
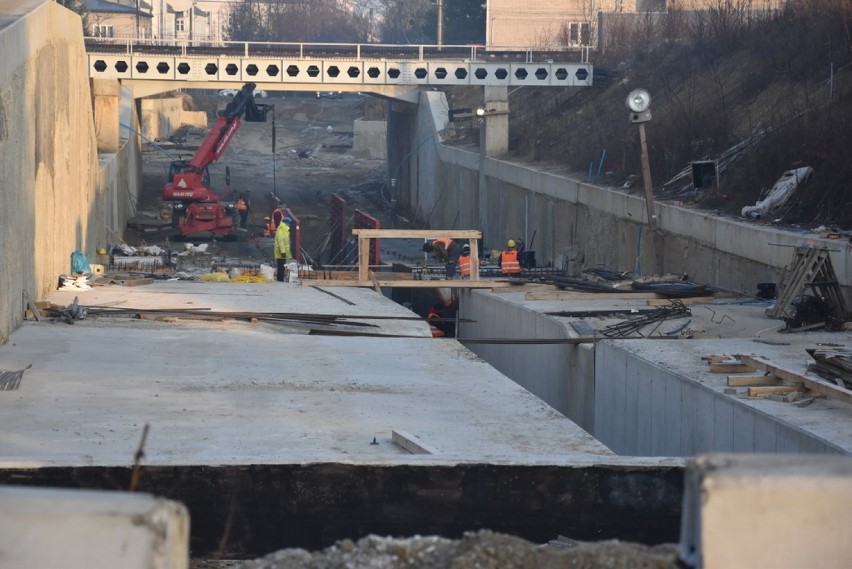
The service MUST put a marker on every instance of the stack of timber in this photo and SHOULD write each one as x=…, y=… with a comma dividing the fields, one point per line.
x=833, y=365
x=762, y=378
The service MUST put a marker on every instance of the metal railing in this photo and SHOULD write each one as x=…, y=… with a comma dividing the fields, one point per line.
x=353, y=51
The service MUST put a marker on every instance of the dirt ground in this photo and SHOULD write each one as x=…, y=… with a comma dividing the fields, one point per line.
x=313, y=158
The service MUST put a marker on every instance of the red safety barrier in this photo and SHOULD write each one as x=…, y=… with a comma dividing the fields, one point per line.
x=337, y=216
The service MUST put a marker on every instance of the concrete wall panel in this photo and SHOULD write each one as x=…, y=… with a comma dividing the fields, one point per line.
x=54, y=197
x=562, y=376
x=642, y=409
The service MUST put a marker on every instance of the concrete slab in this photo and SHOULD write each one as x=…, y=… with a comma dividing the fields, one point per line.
x=237, y=393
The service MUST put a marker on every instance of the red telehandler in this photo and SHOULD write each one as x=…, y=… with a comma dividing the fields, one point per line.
x=197, y=208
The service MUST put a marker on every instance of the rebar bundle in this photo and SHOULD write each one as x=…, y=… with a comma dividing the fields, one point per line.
x=657, y=316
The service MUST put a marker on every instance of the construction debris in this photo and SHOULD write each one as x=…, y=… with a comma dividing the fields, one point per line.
x=75, y=282
x=780, y=193
x=11, y=380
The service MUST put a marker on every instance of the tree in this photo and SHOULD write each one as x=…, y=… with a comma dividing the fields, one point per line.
x=327, y=21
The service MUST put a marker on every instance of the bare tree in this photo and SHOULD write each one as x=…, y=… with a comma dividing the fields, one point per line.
x=409, y=21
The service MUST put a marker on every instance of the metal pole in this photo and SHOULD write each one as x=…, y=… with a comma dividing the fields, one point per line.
x=440, y=22
x=646, y=179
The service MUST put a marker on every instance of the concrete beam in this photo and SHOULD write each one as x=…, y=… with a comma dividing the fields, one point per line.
x=767, y=511
x=404, y=93
x=46, y=527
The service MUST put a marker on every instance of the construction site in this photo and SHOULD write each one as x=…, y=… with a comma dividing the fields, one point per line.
x=639, y=384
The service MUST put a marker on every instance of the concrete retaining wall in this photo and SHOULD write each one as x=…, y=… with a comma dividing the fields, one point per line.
x=443, y=186
x=643, y=409
x=370, y=139
x=162, y=117
x=54, y=198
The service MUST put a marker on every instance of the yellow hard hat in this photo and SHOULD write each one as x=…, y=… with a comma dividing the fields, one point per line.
x=101, y=251
x=266, y=218
x=511, y=243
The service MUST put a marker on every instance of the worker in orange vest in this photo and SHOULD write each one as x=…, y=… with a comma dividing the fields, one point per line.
x=434, y=318
x=243, y=208
x=509, y=263
x=464, y=261
x=447, y=250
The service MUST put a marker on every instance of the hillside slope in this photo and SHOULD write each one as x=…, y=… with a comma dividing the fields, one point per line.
x=781, y=88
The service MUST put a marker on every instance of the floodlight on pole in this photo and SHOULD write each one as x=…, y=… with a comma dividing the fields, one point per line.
x=639, y=103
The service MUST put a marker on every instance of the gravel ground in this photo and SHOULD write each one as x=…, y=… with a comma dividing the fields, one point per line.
x=480, y=550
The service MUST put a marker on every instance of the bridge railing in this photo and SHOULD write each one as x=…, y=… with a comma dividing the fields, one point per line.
x=354, y=51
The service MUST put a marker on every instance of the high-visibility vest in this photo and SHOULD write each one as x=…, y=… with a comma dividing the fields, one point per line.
x=436, y=332
x=241, y=205
x=445, y=240
x=509, y=264
x=282, y=242
x=464, y=266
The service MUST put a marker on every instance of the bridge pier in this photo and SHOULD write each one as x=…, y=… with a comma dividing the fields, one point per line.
x=496, y=121
x=106, y=98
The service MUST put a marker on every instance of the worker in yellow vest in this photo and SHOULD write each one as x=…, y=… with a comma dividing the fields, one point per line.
x=282, y=247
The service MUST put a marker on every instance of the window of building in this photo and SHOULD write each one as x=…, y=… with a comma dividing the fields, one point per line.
x=103, y=31
x=179, y=25
x=578, y=32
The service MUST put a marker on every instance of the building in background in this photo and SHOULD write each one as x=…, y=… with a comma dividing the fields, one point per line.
x=574, y=22
x=118, y=19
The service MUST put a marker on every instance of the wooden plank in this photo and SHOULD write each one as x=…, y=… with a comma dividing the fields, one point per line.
x=35, y=310
x=418, y=234
x=411, y=443
x=615, y=295
x=751, y=380
x=474, y=259
x=352, y=275
x=830, y=390
x=530, y=287
x=408, y=284
x=758, y=391
x=363, y=258
x=819, y=385
x=716, y=359
x=729, y=368
x=758, y=363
